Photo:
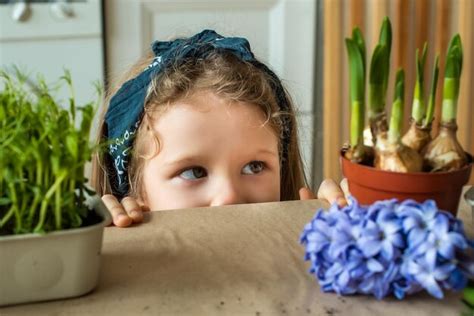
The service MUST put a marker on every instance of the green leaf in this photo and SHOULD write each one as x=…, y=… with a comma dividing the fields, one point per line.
x=452, y=78
x=5, y=201
x=378, y=71
x=420, y=65
x=42, y=153
x=456, y=42
x=357, y=88
x=453, y=63
x=356, y=67
x=72, y=143
x=396, y=118
x=400, y=85
x=358, y=38
x=385, y=37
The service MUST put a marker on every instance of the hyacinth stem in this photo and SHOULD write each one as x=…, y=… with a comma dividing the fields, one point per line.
x=396, y=117
x=418, y=107
x=432, y=97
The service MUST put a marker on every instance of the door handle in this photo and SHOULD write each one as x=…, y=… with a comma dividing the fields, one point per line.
x=21, y=11
x=62, y=9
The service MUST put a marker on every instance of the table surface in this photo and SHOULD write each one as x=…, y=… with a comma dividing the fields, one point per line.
x=231, y=260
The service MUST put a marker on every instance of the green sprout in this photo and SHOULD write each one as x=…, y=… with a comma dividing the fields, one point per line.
x=396, y=117
x=452, y=78
x=432, y=98
x=43, y=151
x=418, y=108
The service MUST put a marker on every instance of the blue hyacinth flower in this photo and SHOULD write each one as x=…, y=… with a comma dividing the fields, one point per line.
x=388, y=248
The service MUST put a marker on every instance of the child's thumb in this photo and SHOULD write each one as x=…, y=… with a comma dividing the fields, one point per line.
x=306, y=194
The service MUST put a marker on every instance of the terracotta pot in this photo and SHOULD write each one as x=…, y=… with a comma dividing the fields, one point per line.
x=368, y=184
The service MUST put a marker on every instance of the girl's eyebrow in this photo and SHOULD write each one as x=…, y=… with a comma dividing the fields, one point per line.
x=185, y=160
x=267, y=152
x=192, y=159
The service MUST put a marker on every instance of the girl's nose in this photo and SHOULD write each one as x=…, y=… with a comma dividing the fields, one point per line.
x=227, y=193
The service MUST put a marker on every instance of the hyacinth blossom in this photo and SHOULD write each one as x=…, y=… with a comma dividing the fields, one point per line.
x=388, y=248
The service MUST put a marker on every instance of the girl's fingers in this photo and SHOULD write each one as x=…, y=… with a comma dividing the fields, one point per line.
x=330, y=191
x=345, y=187
x=306, y=194
x=143, y=207
x=119, y=216
x=134, y=211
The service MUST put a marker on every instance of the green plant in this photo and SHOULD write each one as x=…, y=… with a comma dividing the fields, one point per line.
x=43, y=151
x=419, y=133
x=445, y=153
x=358, y=153
x=416, y=151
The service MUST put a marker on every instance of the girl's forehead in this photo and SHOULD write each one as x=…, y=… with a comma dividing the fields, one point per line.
x=204, y=107
x=206, y=121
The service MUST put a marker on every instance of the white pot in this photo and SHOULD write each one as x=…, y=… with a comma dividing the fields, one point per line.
x=56, y=265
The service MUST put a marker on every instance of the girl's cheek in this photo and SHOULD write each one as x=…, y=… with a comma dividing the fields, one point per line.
x=177, y=194
x=267, y=192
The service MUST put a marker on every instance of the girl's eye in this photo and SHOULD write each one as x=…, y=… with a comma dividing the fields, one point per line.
x=253, y=167
x=193, y=173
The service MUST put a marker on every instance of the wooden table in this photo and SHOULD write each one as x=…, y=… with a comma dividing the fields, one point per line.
x=232, y=260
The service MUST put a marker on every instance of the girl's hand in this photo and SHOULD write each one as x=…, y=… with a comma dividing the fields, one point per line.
x=126, y=212
x=329, y=191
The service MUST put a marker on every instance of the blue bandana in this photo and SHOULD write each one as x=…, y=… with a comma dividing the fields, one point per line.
x=125, y=110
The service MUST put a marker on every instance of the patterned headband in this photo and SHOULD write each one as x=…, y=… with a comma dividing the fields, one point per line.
x=126, y=107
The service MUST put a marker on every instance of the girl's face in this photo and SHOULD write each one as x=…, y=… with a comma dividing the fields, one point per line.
x=212, y=152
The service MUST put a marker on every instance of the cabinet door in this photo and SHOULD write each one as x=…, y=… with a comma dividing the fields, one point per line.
x=48, y=40
x=281, y=33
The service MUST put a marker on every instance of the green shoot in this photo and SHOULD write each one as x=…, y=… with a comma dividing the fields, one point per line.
x=356, y=53
x=377, y=80
x=396, y=118
x=42, y=157
x=358, y=38
x=385, y=39
x=432, y=97
x=418, y=109
x=452, y=78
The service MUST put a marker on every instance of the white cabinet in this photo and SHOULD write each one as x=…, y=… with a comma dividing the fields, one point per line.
x=50, y=40
x=282, y=34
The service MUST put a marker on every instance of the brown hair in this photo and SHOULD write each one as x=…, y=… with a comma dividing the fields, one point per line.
x=223, y=74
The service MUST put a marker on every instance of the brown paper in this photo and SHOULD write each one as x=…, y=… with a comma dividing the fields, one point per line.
x=232, y=260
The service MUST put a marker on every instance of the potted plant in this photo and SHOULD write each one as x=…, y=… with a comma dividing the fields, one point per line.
x=411, y=166
x=396, y=236
x=51, y=223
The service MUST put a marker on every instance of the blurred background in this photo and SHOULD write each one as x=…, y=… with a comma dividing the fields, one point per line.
x=302, y=41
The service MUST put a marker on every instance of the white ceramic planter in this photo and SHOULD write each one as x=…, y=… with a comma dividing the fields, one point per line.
x=56, y=265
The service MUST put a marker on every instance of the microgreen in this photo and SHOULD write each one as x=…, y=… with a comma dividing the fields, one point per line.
x=44, y=147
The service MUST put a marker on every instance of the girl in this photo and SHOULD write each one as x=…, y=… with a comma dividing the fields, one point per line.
x=201, y=122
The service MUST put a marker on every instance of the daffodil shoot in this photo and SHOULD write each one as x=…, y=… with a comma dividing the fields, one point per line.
x=387, y=147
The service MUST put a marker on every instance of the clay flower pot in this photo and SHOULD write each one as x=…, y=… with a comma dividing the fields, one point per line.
x=368, y=184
